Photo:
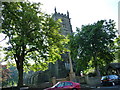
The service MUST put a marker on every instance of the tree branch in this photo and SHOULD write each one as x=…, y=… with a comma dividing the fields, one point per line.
x=32, y=49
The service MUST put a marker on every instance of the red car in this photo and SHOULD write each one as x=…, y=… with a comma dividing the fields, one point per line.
x=65, y=85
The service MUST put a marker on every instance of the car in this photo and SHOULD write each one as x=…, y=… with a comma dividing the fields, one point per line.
x=119, y=79
x=110, y=80
x=65, y=85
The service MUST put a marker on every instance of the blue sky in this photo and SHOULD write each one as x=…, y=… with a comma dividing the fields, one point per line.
x=83, y=12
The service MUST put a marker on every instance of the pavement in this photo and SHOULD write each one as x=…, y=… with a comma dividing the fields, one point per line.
x=99, y=87
x=90, y=87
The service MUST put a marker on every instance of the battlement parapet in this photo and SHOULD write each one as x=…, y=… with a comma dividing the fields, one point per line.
x=62, y=15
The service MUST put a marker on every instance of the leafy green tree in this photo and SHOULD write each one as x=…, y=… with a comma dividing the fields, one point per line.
x=93, y=45
x=6, y=75
x=14, y=76
x=117, y=42
x=34, y=39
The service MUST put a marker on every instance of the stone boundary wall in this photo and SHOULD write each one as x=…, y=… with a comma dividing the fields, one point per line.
x=82, y=80
x=93, y=80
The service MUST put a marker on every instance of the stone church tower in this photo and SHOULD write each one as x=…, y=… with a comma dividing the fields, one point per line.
x=66, y=24
x=62, y=68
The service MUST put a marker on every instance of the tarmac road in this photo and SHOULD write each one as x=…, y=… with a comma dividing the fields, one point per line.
x=116, y=87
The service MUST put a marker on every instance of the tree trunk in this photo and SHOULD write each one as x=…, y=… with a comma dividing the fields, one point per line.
x=98, y=71
x=96, y=65
x=20, y=66
x=20, y=72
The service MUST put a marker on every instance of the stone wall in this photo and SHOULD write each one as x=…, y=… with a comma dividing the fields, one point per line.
x=82, y=80
x=93, y=80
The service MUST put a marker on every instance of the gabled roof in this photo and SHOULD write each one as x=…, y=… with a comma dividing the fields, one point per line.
x=115, y=65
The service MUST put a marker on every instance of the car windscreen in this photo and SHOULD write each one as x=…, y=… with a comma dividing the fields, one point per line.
x=104, y=78
x=113, y=77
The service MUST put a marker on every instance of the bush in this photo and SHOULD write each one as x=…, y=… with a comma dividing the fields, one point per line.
x=92, y=74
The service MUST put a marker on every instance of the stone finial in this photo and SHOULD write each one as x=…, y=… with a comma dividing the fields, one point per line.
x=55, y=10
x=67, y=13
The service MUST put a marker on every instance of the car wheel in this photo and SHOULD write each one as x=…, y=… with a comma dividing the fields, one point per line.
x=113, y=83
x=74, y=89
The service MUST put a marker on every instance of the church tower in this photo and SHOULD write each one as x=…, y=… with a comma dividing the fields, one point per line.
x=66, y=24
x=62, y=68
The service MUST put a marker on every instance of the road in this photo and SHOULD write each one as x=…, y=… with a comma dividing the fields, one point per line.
x=116, y=87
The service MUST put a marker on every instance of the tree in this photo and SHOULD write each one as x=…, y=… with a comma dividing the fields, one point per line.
x=6, y=75
x=93, y=45
x=34, y=39
x=117, y=47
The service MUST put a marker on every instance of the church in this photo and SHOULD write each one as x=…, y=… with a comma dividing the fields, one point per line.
x=66, y=24
x=62, y=68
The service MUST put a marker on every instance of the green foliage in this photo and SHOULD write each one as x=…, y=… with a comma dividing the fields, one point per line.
x=92, y=45
x=34, y=39
x=117, y=47
x=12, y=76
x=38, y=33
x=6, y=75
x=92, y=74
